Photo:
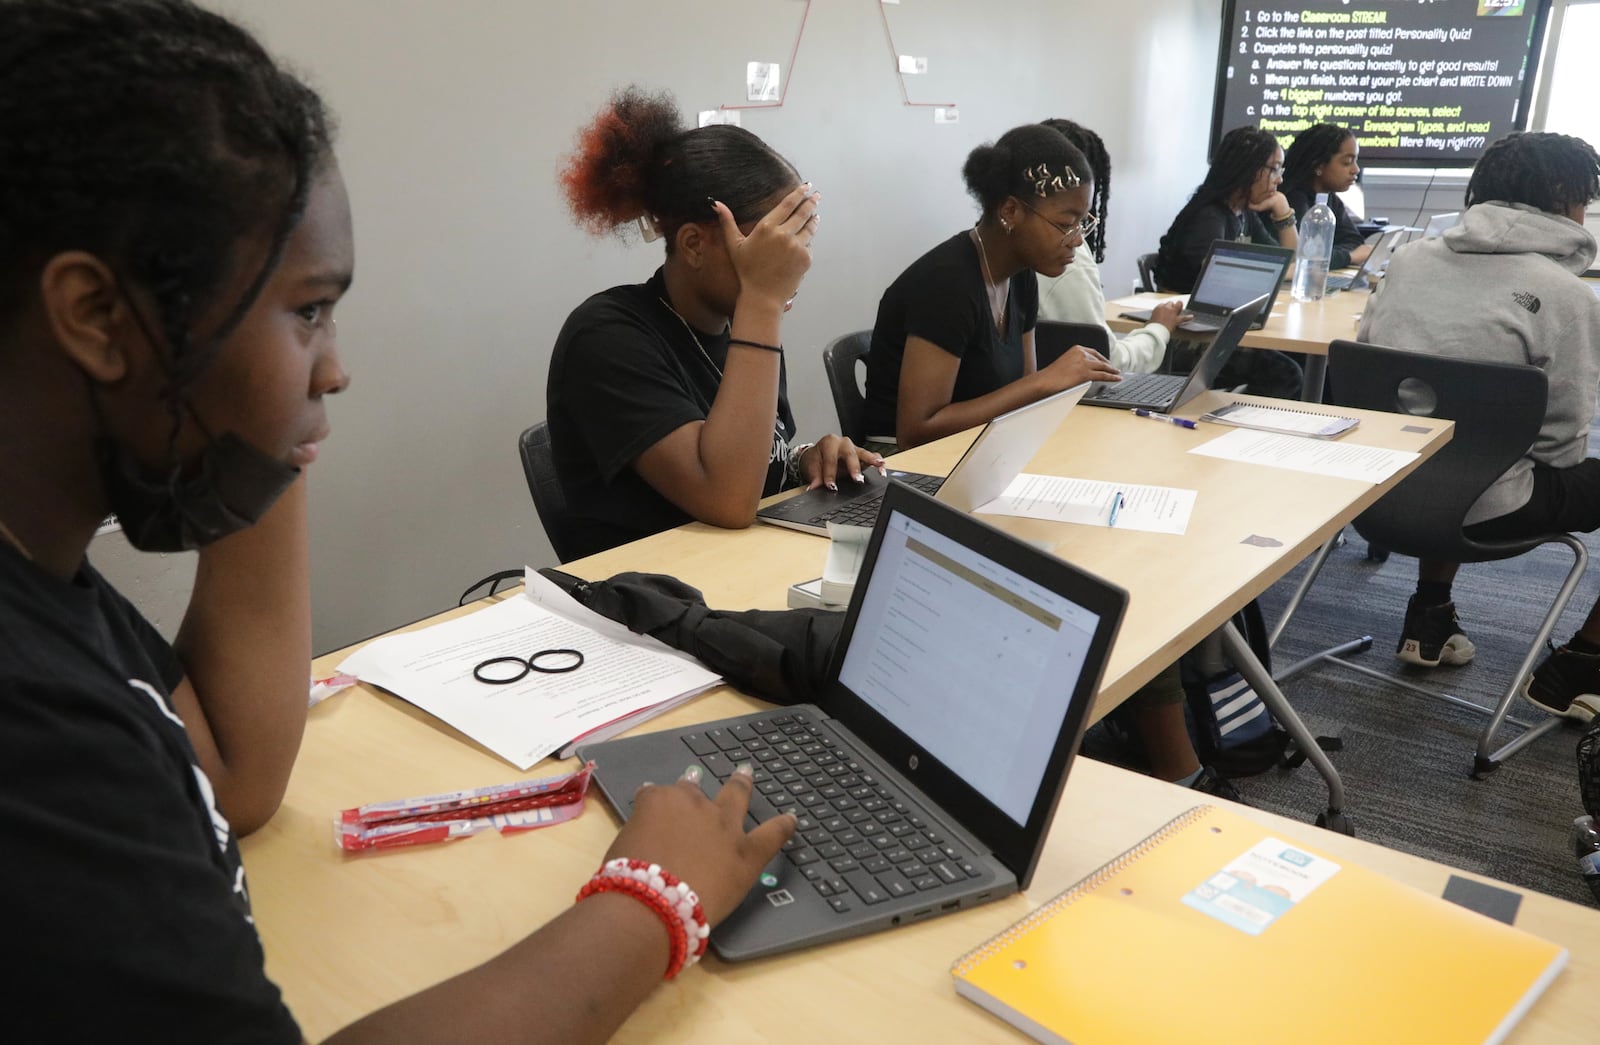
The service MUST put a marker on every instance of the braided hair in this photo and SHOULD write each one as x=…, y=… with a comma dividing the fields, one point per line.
x=1240, y=156
x=1094, y=150
x=1554, y=172
x=635, y=160
x=995, y=172
x=158, y=137
x=1313, y=147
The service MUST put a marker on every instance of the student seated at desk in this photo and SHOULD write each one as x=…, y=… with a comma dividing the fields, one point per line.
x=667, y=400
x=1504, y=286
x=1322, y=159
x=176, y=237
x=1237, y=200
x=953, y=343
x=1077, y=295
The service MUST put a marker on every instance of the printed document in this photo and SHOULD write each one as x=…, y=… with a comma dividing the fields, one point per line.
x=624, y=678
x=1341, y=460
x=1154, y=509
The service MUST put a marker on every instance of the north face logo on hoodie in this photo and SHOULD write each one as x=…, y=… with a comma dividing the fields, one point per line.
x=1526, y=300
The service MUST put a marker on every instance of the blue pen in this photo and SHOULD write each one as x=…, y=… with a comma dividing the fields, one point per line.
x=1181, y=422
x=1116, y=506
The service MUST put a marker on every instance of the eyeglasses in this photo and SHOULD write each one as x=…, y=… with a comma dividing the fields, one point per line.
x=1085, y=225
x=1275, y=169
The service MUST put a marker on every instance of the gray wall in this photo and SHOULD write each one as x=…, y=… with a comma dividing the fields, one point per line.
x=454, y=118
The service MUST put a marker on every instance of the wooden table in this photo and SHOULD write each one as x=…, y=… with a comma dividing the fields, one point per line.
x=347, y=934
x=1293, y=326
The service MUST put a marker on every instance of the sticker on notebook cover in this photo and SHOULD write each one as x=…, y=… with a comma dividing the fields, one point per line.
x=1261, y=885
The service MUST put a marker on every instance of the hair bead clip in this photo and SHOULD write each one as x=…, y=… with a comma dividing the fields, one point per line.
x=1045, y=182
x=649, y=228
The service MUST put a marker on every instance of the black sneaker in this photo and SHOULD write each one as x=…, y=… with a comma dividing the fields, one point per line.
x=1432, y=636
x=1566, y=683
x=1211, y=783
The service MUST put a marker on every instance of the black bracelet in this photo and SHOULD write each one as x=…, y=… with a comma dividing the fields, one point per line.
x=1283, y=222
x=754, y=344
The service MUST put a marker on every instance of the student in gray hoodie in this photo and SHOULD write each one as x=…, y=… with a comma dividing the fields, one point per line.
x=1503, y=286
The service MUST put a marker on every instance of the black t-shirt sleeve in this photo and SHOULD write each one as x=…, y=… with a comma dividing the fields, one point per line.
x=113, y=889
x=1346, y=238
x=624, y=392
x=941, y=309
x=1204, y=227
x=1026, y=287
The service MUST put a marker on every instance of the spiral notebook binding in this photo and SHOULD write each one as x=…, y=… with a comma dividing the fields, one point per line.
x=1089, y=883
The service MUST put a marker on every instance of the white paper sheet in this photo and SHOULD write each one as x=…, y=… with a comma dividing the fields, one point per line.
x=1147, y=299
x=622, y=674
x=1338, y=460
x=1153, y=509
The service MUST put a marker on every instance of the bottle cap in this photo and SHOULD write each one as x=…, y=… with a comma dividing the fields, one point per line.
x=1322, y=198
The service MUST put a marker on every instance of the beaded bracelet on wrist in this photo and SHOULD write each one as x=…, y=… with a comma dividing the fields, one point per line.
x=674, y=902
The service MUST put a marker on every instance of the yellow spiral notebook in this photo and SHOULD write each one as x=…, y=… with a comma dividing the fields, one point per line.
x=1212, y=930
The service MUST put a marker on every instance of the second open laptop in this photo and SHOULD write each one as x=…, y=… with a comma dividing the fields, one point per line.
x=1373, y=264
x=1232, y=274
x=958, y=691
x=1002, y=449
x=1163, y=393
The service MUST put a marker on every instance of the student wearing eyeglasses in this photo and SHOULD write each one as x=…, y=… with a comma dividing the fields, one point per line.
x=953, y=343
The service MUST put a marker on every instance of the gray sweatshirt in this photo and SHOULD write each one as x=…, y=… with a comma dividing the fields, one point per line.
x=1502, y=286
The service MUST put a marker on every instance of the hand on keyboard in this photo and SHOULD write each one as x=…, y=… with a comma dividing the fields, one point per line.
x=1077, y=365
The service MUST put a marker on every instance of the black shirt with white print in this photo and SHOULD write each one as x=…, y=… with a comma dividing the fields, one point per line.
x=121, y=889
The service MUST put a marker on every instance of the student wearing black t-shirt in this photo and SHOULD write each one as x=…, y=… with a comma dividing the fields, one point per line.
x=953, y=343
x=667, y=401
x=1238, y=200
x=1322, y=159
x=176, y=237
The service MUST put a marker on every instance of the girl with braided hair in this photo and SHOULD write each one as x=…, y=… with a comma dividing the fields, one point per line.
x=1322, y=159
x=1077, y=295
x=953, y=343
x=174, y=239
x=667, y=400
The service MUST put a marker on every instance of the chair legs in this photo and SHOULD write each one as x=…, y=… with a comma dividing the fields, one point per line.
x=1487, y=758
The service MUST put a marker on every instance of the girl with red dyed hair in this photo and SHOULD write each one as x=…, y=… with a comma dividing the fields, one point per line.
x=667, y=399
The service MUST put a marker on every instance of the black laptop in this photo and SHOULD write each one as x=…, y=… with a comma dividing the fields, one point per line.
x=1232, y=274
x=959, y=690
x=1163, y=393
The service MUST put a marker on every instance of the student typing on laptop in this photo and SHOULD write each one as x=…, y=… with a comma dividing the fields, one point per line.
x=667, y=399
x=1237, y=200
x=952, y=347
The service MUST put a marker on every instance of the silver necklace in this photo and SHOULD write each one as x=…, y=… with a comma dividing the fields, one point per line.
x=692, y=337
x=997, y=294
x=17, y=541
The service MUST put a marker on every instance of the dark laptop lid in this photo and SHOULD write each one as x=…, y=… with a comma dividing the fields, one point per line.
x=1234, y=273
x=1221, y=349
x=969, y=661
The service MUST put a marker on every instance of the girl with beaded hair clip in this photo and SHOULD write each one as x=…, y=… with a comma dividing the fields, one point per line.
x=174, y=238
x=1077, y=295
x=953, y=343
x=1322, y=159
x=667, y=400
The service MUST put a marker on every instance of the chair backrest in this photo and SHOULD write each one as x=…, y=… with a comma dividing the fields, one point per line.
x=1051, y=338
x=1147, y=272
x=549, y=500
x=840, y=360
x=1498, y=409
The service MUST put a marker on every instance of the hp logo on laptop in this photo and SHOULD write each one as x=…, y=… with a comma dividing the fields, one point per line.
x=912, y=762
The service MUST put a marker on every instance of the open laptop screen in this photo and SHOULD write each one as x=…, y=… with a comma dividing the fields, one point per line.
x=971, y=660
x=1234, y=277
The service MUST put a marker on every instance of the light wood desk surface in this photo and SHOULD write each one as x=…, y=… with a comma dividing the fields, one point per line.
x=1293, y=326
x=347, y=934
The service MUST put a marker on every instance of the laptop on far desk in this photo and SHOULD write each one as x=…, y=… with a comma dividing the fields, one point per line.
x=1164, y=393
x=1232, y=274
x=1373, y=264
x=960, y=688
x=1001, y=450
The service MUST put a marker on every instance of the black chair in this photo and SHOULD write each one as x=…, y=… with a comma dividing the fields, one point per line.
x=844, y=357
x=1147, y=272
x=1498, y=410
x=549, y=500
x=1051, y=338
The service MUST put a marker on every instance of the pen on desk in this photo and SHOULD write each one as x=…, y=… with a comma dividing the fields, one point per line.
x=1116, y=506
x=1181, y=422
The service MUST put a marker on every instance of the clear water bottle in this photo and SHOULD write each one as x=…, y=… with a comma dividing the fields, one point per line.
x=1586, y=847
x=1315, y=251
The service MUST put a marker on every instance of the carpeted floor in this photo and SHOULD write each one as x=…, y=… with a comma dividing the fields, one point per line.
x=1406, y=758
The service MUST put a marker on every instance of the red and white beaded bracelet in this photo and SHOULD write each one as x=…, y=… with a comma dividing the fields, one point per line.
x=663, y=892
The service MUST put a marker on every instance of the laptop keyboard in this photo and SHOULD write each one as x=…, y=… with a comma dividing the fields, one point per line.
x=863, y=511
x=858, y=841
x=1140, y=388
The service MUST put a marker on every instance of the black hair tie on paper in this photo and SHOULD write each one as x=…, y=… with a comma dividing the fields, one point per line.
x=527, y=664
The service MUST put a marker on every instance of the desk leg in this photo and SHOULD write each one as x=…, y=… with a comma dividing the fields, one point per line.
x=1315, y=376
x=1261, y=681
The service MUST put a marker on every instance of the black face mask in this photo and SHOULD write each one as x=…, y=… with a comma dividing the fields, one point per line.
x=229, y=488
